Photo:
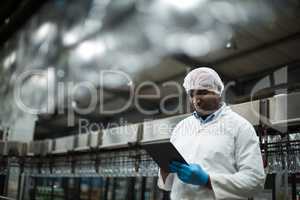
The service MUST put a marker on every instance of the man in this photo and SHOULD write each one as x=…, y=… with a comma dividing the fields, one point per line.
x=221, y=147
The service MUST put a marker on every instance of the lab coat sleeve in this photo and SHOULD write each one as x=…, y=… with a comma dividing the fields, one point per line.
x=167, y=185
x=250, y=175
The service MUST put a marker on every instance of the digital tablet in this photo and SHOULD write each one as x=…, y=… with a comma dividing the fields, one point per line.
x=163, y=154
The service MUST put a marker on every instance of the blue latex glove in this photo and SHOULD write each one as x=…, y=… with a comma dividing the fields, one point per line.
x=192, y=173
x=172, y=169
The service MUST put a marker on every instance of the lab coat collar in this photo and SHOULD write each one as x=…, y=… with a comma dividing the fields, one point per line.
x=212, y=116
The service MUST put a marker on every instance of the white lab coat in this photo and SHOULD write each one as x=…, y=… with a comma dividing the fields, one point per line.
x=227, y=148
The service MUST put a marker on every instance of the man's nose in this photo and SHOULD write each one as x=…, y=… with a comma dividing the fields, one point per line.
x=196, y=99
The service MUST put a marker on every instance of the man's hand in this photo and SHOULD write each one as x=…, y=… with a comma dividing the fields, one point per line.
x=164, y=174
x=192, y=173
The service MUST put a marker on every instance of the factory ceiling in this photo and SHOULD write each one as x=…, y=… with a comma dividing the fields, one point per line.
x=251, y=51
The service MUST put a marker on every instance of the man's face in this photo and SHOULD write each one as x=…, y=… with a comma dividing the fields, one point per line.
x=204, y=102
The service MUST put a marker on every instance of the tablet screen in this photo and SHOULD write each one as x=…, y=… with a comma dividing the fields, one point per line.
x=163, y=154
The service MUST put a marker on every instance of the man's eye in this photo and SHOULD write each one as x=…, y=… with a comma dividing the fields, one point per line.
x=201, y=93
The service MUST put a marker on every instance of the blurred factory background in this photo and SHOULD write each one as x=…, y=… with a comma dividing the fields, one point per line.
x=60, y=57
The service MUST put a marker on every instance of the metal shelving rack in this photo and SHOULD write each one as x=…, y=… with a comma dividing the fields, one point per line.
x=117, y=166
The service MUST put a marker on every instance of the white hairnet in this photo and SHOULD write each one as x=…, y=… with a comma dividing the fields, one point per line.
x=203, y=78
